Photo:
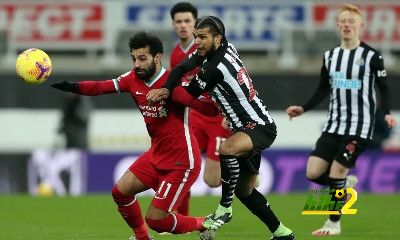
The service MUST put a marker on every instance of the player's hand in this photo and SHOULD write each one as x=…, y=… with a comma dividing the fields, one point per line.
x=156, y=95
x=391, y=122
x=294, y=111
x=66, y=86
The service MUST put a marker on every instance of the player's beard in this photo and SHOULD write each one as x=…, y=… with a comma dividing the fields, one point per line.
x=147, y=73
x=211, y=51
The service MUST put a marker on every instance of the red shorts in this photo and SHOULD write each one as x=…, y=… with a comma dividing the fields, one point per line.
x=209, y=133
x=170, y=186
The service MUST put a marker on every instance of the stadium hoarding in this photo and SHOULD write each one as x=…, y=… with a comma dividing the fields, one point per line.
x=253, y=25
x=59, y=25
x=282, y=171
x=249, y=25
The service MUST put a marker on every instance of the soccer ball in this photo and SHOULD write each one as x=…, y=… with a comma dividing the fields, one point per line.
x=33, y=66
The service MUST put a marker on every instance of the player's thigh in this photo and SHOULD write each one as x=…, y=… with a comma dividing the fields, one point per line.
x=173, y=186
x=249, y=140
x=338, y=170
x=239, y=144
x=130, y=184
x=316, y=166
x=323, y=154
x=140, y=176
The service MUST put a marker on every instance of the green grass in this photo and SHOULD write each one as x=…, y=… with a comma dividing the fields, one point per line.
x=96, y=217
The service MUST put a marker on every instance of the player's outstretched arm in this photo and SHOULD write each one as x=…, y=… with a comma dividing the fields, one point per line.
x=294, y=111
x=66, y=86
x=89, y=88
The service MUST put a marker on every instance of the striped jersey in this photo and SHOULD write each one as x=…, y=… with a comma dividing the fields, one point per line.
x=223, y=75
x=350, y=75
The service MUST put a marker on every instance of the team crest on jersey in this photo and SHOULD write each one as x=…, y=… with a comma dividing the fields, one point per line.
x=351, y=147
x=360, y=62
x=251, y=125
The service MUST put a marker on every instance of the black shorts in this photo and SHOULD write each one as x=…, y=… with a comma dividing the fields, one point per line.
x=262, y=137
x=344, y=149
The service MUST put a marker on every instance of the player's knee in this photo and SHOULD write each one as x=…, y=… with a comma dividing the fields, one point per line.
x=212, y=181
x=121, y=199
x=160, y=225
x=312, y=175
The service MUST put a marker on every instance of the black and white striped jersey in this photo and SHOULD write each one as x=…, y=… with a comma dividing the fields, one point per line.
x=349, y=76
x=223, y=75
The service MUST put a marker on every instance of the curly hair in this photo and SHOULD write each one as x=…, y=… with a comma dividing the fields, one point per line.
x=143, y=39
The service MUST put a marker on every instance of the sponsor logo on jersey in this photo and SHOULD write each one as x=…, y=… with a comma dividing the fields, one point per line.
x=347, y=84
x=382, y=73
x=339, y=81
x=202, y=84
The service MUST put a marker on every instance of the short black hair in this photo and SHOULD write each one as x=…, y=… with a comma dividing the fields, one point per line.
x=183, y=7
x=215, y=24
x=143, y=39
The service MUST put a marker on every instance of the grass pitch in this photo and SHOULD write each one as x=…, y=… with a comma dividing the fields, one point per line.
x=96, y=217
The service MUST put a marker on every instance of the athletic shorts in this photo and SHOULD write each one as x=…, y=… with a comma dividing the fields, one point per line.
x=344, y=149
x=262, y=137
x=170, y=186
x=209, y=133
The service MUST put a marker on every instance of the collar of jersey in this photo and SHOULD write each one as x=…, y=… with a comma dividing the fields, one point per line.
x=188, y=47
x=152, y=81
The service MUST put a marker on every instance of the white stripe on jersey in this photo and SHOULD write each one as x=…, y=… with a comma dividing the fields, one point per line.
x=187, y=137
x=241, y=98
x=115, y=81
x=179, y=190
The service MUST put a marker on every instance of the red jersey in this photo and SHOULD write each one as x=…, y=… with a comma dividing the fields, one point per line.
x=178, y=54
x=173, y=144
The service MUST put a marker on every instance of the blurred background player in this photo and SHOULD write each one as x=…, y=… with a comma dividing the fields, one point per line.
x=348, y=74
x=173, y=162
x=209, y=131
x=75, y=120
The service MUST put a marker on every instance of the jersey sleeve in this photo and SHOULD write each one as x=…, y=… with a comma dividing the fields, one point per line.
x=94, y=88
x=378, y=69
x=205, y=80
x=188, y=64
x=203, y=105
x=322, y=90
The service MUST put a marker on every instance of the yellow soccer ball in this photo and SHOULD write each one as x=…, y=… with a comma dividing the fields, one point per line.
x=33, y=66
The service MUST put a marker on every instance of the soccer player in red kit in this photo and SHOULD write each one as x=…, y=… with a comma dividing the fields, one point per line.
x=209, y=131
x=173, y=162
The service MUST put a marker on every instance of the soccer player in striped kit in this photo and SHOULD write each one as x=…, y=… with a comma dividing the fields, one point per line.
x=223, y=74
x=209, y=131
x=349, y=74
